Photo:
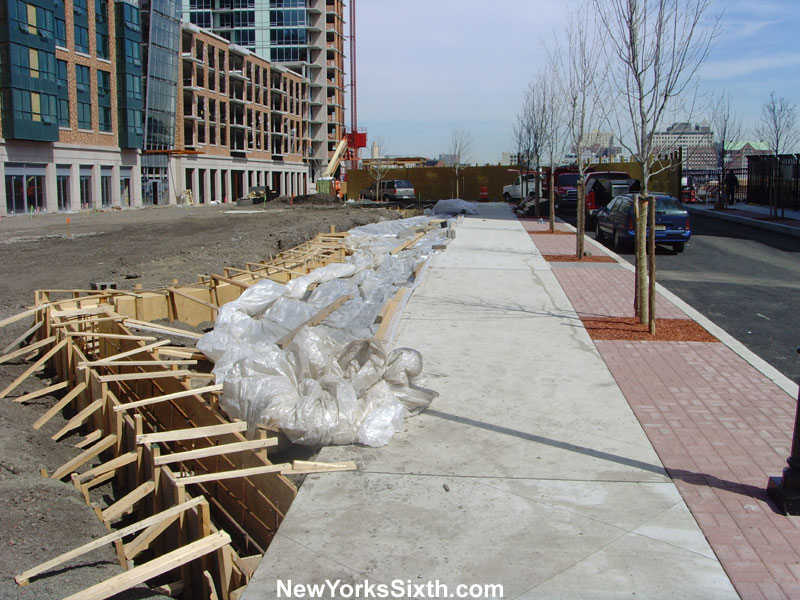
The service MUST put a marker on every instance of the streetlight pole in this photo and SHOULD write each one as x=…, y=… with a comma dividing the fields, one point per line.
x=785, y=490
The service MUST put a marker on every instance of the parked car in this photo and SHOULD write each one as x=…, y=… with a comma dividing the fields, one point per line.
x=600, y=187
x=391, y=189
x=616, y=222
x=523, y=185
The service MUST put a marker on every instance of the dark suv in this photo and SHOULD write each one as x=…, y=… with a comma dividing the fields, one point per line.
x=616, y=221
x=391, y=189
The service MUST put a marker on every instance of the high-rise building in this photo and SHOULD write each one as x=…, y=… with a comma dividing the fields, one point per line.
x=307, y=36
x=67, y=141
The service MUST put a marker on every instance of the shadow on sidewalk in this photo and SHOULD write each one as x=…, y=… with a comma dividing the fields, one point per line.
x=735, y=487
x=622, y=460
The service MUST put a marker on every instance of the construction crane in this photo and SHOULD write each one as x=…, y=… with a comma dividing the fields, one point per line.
x=353, y=86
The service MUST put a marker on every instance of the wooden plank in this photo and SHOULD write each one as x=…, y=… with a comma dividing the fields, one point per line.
x=85, y=487
x=80, y=312
x=116, y=357
x=303, y=467
x=179, y=352
x=144, y=375
x=43, y=359
x=111, y=465
x=166, y=459
x=90, y=320
x=316, y=319
x=23, y=314
x=127, y=502
x=148, y=326
x=408, y=243
x=60, y=405
x=42, y=392
x=239, y=284
x=144, y=363
x=111, y=336
x=85, y=456
x=78, y=419
x=23, y=578
x=388, y=314
x=186, y=480
x=191, y=434
x=142, y=541
x=90, y=439
x=177, y=292
x=27, y=349
x=209, y=591
x=172, y=396
x=21, y=338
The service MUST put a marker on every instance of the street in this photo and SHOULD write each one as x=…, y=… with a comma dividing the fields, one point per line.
x=744, y=279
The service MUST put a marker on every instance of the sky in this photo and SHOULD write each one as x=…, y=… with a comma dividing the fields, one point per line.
x=426, y=67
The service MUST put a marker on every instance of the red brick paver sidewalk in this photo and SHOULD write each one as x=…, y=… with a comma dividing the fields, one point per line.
x=720, y=427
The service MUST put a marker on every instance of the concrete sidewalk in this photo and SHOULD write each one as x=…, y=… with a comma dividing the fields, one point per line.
x=531, y=470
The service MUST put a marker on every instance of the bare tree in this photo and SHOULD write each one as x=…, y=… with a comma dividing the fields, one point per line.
x=657, y=48
x=378, y=166
x=460, y=150
x=554, y=142
x=780, y=130
x=523, y=143
x=579, y=82
x=728, y=133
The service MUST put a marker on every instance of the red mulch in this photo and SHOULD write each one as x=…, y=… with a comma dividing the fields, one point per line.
x=556, y=232
x=600, y=258
x=629, y=328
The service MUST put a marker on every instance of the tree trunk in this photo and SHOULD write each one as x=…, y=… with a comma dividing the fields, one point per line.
x=651, y=264
x=641, y=262
x=552, y=199
x=580, y=214
x=536, y=190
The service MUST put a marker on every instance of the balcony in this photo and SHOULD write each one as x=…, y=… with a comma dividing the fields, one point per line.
x=187, y=56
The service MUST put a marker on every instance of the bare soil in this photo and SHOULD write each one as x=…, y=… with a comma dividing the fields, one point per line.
x=41, y=518
x=629, y=328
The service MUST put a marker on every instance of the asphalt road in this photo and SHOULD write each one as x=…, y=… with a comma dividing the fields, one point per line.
x=744, y=279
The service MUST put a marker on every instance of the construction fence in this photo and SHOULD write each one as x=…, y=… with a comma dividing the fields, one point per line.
x=774, y=177
x=439, y=183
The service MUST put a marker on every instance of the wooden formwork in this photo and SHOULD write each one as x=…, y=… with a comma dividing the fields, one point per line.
x=205, y=501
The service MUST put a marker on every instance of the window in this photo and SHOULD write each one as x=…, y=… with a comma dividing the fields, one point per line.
x=133, y=52
x=201, y=19
x=82, y=78
x=103, y=84
x=63, y=112
x=105, y=188
x=86, y=188
x=102, y=45
x=84, y=115
x=104, y=114
x=81, y=39
x=79, y=7
x=62, y=189
x=61, y=32
x=130, y=14
x=133, y=85
x=33, y=62
x=99, y=11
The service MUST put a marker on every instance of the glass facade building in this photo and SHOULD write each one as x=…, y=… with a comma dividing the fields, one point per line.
x=162, y=34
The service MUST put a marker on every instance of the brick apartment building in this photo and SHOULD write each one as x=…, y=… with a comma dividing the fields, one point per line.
x=307, y=37
x=240, y=121
x=67, y=141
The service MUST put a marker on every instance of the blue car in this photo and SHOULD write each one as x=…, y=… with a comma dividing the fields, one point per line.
x=616, y=222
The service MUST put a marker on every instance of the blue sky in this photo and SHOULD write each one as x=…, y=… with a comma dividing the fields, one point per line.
x=427, y=66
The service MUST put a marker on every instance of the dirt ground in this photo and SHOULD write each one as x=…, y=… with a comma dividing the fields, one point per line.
x=41, y=518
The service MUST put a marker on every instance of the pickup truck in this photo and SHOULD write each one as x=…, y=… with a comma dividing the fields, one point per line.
x=515, y=191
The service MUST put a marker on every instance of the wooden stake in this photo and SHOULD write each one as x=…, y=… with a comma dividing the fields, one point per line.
x=23, y=314
x=116, y=357
x=191, y=434
x=22, y=338
x=23, y=578
x=143, y=375
x=148, y=326
x=127, y=502
x=78, y=419
x=43, y=359
x=106, y=467
x=27, y=349
x=90, y=439
x=173, y=396
x=58, y=406
x=166, y=459
x=42, y=392
x=142, y=541
x=85, y=456
x=233, y=474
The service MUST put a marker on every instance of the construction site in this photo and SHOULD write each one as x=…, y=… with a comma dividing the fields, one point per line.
x=115, y=448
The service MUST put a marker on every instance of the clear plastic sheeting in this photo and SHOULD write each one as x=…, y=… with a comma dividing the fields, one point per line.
x=454, y=207
x=334, y=383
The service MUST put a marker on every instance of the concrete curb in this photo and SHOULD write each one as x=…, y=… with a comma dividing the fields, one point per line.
x=774, y=227
x=723, y=336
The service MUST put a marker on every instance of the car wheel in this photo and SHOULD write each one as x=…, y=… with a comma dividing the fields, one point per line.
x=507, y=197
x=598, y=233
x=385, y=197
x=678, y=247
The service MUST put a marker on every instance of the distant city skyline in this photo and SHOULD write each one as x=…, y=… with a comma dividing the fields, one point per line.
x=423, y=71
